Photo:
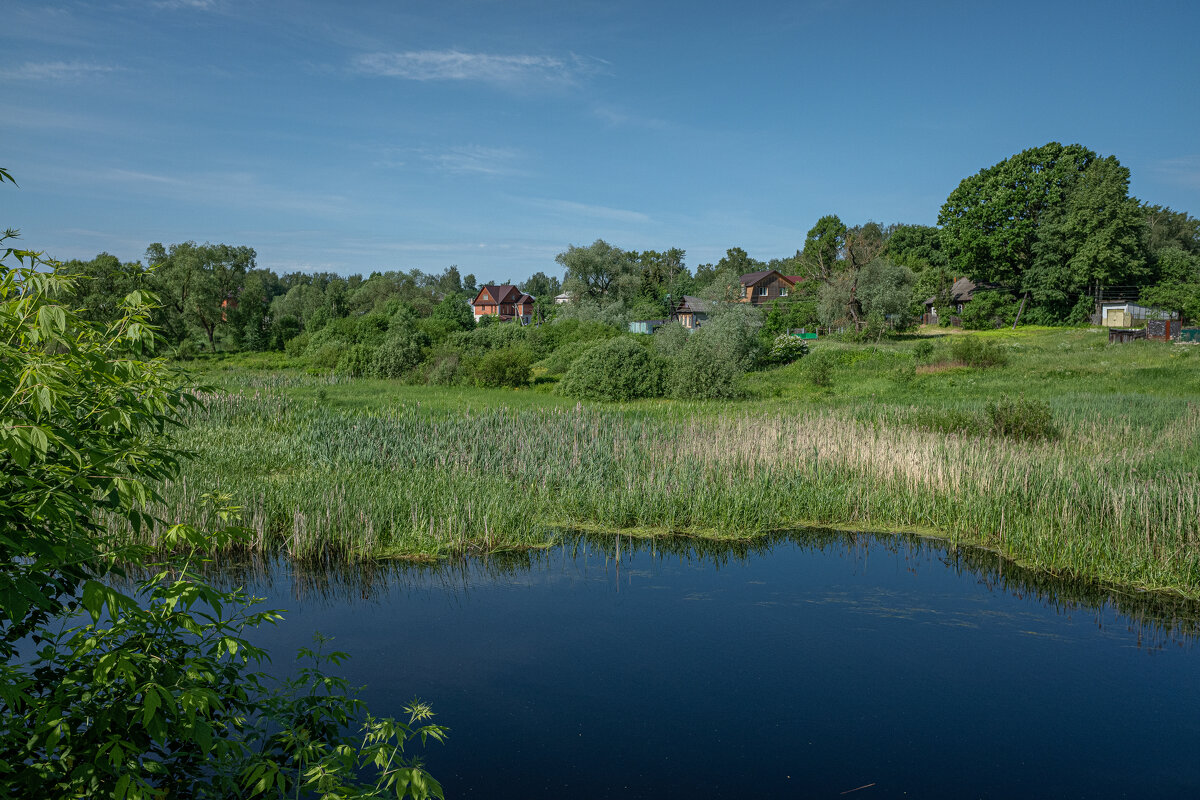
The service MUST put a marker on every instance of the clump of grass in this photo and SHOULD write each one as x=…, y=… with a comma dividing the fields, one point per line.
x=1022, y=419
x=976, y=352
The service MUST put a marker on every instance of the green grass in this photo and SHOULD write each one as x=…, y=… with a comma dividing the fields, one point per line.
x=331, y=468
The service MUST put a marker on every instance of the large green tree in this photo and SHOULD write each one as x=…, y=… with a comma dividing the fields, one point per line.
x=1049, y=221
x=201, y=283
x=598, y=273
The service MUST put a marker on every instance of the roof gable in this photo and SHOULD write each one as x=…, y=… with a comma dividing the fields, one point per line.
x=497, y=293
x=751, y=278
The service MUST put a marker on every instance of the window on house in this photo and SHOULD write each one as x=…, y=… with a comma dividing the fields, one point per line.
x=763, y=291
x=783, y=291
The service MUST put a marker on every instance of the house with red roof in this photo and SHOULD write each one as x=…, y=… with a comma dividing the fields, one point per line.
x=503, y=302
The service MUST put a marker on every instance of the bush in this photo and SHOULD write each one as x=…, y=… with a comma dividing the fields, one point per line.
x=295, y=347
x=670, y=339
x=617, y=370
x=818, y=367
x=444, y=369
x=508, y=367
x=326, y=355
x=400, y=353
x=975, y=352
x=356, y=361
x=905, y=372
x=786, y=349
x=923, y=350
x=703, y=371
x=1022, y=419
x=561, y=360
x=989, y=309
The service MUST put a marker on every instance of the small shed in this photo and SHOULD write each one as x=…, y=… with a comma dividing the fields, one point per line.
x=646, y=325
x=1127, y=315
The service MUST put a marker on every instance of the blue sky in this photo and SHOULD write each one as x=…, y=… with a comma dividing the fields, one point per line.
x=390, y=135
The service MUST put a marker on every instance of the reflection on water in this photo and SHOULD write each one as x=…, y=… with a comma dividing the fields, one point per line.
x=1154, y=618
x=805, y=664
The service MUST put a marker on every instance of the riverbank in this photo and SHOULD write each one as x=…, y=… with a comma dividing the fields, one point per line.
x=331, y=468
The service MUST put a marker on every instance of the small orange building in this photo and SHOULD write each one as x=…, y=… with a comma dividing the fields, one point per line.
x=504, y=302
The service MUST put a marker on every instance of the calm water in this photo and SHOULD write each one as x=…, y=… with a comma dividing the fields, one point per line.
x=806, y=666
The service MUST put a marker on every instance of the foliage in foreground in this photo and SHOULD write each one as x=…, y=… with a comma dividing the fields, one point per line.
x=157, y=695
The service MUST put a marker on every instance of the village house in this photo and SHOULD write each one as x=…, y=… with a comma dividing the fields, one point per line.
x=765, y=286
x=503, y=302
x=961, y=293
x=691, y=312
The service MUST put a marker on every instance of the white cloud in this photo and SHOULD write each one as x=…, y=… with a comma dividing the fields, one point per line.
x=475, y=159
x=57, y=70
x=241, y=189
x=454, y=65
x=1184, y=170
x=615, y=116
x=199, y=5
x=573, y=209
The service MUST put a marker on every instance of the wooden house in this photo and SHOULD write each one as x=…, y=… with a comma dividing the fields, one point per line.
x=765, y=286
x=503, y=302
x=691, y=312
x=961, y=293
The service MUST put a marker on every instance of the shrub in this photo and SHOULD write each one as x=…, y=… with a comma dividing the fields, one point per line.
x=923, y=350
x=818, y=367
x=989, y=309
x=560, y=360
x=785, y=349
x=670, y=339
x=703, y=371
x=400, y=353
x=326, y=355
x=905, y=372
x=443, y=369
x=617, y=370
x=356, y=361
x=975, y=352
x=508, y=367
x=1022, y=419
x=295, y=347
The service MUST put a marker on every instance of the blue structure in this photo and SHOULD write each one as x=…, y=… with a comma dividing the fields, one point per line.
x=645, y=325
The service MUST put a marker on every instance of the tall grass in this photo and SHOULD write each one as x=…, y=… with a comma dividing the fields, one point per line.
x=427, y=481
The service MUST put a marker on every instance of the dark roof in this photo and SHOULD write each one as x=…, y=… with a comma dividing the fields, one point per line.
x=693, y=304
x=503, y=293
x=796, y=278
x=751, y=278
x=964, y=290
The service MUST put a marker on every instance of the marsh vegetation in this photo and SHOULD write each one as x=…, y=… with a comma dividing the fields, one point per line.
x=1076, y=457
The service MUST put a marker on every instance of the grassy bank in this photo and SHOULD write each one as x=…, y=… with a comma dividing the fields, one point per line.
x=335, y=468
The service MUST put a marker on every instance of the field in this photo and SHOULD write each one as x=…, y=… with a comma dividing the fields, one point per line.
x=329, y=468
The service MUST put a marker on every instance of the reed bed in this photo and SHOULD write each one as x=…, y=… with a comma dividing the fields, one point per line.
x=412, y=481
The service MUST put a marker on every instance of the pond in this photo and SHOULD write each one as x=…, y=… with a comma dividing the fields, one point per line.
x=811, y=664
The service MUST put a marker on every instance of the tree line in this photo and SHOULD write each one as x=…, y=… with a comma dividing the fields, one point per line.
x=1046, y=231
